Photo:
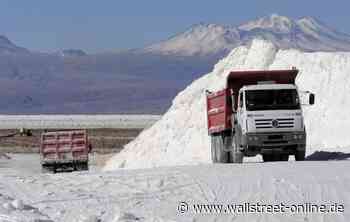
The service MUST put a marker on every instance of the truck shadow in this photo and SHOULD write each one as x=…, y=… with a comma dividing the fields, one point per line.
x=324, y=156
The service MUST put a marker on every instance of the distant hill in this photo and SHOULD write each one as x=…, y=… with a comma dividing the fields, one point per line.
x=7, y=47
x=141, y=80
x=73, y=52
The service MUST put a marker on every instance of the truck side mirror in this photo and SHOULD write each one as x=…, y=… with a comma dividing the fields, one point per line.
x=311, y=98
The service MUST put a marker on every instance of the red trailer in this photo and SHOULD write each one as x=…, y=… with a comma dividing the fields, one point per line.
x=63, y=150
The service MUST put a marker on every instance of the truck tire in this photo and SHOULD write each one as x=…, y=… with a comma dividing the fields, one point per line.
x=300, y=155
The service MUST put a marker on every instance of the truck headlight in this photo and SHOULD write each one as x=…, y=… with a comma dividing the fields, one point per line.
x=253, y=138
x=298, y=136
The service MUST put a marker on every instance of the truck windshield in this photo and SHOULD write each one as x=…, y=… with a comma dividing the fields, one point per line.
x=272, y=99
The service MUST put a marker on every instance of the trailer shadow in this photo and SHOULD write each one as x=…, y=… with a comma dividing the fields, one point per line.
x=324, y=156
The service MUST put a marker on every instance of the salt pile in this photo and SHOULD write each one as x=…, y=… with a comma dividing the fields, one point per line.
x=180, y=136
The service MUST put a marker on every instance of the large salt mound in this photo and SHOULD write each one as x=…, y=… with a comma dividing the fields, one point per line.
x=180, y=136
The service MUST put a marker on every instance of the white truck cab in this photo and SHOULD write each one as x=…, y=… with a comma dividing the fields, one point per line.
x=270, y=121
x=258, y=112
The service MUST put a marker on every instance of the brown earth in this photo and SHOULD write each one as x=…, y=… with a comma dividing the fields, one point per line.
x=103, y=141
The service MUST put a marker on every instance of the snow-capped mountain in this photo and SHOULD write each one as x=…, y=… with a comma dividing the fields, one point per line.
x=202, y=39
x=307, y=33
x=7, y=47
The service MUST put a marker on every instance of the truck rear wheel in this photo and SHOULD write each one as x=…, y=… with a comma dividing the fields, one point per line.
x=300, y=155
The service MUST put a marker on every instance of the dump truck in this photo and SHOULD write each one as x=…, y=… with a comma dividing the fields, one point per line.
x=258, y=112
x=64, y=150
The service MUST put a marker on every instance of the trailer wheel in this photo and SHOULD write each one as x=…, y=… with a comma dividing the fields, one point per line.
x=300, y=155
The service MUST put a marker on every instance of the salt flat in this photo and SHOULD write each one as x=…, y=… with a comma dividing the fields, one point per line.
x=76, y=121
x=155, y=194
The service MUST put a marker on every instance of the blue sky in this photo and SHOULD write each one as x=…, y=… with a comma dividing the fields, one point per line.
x=111, y=25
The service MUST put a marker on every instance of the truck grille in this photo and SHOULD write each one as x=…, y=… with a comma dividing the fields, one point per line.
x=274, y=123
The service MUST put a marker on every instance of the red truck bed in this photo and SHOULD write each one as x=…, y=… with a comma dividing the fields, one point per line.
x=64, y=146
x=219, y=108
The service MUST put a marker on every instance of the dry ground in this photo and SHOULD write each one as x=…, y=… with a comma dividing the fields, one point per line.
x=104, y=141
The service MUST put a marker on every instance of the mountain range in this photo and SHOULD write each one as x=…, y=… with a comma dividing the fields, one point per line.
x=141, y=80
x=307, y=34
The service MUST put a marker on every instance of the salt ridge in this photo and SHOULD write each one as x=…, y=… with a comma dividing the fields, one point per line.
x=180, y=137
